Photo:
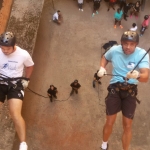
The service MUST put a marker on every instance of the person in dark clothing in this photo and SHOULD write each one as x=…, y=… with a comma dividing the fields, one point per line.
x=52, y=92
x=96, y=79
x=111, y=4
x=75, y=86
x=126, y=8
x=122, y=3
x=96, y=7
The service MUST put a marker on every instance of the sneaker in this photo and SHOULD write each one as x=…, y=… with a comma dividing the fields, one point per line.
x=81, y=9
x=105, y=148
x=121, y=26
x=96, y=12
x=23, y=146
x=115, y=26
x=93, y=14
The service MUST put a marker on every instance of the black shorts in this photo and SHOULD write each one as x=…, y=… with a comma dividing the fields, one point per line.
x=10, y=92
x=121, y=100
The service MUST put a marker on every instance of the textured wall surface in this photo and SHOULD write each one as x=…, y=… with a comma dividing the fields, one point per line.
x=5, y=9
x=24, y=22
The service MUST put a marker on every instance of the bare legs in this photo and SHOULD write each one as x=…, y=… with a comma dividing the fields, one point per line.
x=127, y=133
x=15, y=106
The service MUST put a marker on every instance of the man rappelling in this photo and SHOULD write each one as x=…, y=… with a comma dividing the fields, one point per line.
x=122, y=91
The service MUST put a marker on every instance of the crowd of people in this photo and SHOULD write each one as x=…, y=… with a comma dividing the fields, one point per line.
x=122, y=11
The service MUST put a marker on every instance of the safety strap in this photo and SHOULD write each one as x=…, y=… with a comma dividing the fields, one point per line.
x=9, y=81
x=113, y=88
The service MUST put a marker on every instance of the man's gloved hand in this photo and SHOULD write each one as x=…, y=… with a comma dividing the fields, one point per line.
x=101, y=72
x=25, y=83
x=133, y=75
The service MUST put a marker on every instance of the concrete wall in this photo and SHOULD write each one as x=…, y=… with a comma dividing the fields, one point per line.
x=24, y=22
x=5, y=8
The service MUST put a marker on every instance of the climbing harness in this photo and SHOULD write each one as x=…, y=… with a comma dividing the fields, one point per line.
x=12, y=82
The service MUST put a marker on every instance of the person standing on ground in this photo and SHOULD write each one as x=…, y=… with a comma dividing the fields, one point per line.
x=111, y=4
x=51, y=92
x=126, y=8
x=118, y=18
x=80, y=4
x=145, y=24
x=75, y=86
x=134, y=27
x=13, y=61
x=96, y=79
x=96, y=7
x=135, y=9
x=122, y=93
x=122, y=3
x=57, y=17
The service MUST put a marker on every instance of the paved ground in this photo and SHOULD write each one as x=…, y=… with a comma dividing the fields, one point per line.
x=72, y=51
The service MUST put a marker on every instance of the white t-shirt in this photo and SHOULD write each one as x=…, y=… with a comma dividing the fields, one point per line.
x=133, y=29
x=12, y=65
x=55, y=16
x=80, y=1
